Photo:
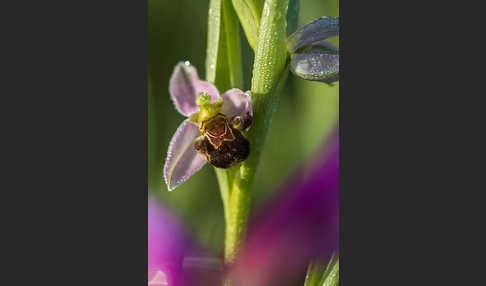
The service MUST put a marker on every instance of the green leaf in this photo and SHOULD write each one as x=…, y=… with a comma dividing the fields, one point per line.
x=269, y=73
x=223, y=55
x=224, y=69
x=330, y=277
x=293, y=16
x=314, y=274
x=320, y=275
x=249, y=12
x=271, y=54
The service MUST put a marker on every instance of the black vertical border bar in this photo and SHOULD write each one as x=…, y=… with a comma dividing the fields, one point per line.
x=75, y=194
x=409, y=172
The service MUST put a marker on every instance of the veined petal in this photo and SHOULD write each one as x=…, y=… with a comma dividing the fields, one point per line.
x=185, y=85
x=237, y=102
x=182, y=159
x=316, y=65
x=317, y=30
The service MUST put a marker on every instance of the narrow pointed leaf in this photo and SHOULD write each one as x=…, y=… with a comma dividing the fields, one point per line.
x=223, y=55
x=249, y=12
x=314, y=273
x=182, y=159
x=269, y=72
x=293, y=16
x=318, y=274
x=224, y=66
x=185, y=85
x=316, y=65
x=331, y=275
x=317, y=30
x=214, y=32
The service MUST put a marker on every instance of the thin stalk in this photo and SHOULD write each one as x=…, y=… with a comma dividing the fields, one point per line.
x=269, y=73
x=224, y=68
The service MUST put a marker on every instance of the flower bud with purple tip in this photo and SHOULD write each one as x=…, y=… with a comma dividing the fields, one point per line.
x=313, y=58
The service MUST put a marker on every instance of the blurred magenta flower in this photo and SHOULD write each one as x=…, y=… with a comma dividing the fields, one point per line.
x=168, y=243
x=189, y=94
x=302, y=224
x=174, y=258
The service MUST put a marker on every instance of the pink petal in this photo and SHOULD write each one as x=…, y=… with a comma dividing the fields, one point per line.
x=182, y=160
x=185, y=85
x=169, y=243
x=237, y=102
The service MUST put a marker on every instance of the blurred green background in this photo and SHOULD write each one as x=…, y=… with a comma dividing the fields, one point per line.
x=307, y=113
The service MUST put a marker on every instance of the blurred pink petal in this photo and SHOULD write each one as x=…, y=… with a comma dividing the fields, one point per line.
x=301, y=225
x=167, y=246
x=174, y=259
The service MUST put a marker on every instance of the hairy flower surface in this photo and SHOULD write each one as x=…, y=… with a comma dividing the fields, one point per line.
x=211, y=131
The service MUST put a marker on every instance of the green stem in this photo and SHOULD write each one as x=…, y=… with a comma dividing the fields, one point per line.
x=240, y=195
x=269, y=73
x=225, y=181
x=239, y=205
x=224, y=68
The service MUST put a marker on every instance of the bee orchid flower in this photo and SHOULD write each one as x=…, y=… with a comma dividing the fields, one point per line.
x=212, y=129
